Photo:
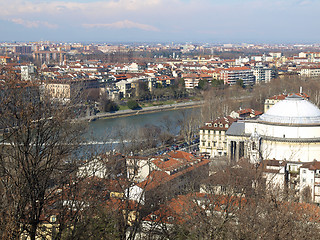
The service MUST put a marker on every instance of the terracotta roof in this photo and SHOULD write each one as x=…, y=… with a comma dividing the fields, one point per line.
x=181, y=154
x=156, y=178
x=237, y=69
x=184, y=207
x=283, y=96
x=249, y=110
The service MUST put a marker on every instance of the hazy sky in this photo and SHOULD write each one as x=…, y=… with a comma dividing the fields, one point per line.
x=214, y=21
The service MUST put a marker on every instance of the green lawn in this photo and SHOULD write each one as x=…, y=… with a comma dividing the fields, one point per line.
x=123, y=107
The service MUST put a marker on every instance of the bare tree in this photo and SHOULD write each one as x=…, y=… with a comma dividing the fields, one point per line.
x=189, y=124
x=38, y=138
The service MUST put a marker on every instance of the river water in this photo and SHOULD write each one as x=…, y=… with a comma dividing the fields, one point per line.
x=107, y=129
x=109, y=134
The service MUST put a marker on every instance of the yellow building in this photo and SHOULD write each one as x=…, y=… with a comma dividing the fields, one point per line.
x=213, y=140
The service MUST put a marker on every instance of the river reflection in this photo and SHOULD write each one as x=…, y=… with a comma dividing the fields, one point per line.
x=114, y=130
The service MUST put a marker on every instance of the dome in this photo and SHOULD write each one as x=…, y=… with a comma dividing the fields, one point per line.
x=292, y=110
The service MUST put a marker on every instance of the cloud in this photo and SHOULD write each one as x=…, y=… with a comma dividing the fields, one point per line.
x=165, y=18
x=17, y=7
x=122, y=25
x=33, y=24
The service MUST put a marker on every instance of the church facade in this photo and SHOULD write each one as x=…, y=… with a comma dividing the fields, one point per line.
x=289, y=131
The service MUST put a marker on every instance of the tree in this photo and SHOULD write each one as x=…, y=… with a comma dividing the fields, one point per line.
x=240, y=83
x=132, y=104
x=39, y=136
x=110, y=106
x=217, y=83
x=189, y=123
x=232, y=207
x=203, y=84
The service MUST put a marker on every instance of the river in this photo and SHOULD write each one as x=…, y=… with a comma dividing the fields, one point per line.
x=105, y=129
x=106, y=134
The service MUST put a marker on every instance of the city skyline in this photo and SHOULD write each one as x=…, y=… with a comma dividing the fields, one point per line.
x=230, y=21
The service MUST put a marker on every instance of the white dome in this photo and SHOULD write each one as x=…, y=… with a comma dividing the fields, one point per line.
x=292, y=110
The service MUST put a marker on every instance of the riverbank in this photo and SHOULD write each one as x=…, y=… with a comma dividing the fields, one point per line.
x=145, y=110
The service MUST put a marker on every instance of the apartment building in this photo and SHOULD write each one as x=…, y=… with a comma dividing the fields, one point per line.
x=213, y=140
x=191, y=80
x=28, y=73
x=65, y=89
x=310, y=71
x=310, y=181
x=262, y=74
x=230, y=76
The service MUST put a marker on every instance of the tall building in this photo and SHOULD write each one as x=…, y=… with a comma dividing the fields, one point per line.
x=22, y=49
x=262, y=74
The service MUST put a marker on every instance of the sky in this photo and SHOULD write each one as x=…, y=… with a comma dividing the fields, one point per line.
x=198, y=21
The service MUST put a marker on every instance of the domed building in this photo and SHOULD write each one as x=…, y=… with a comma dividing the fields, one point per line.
x=289, y=130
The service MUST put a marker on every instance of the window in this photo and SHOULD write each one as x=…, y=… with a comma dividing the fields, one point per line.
x=253, y=146
x=303, y=180
x=53, y=219
x=304, y=171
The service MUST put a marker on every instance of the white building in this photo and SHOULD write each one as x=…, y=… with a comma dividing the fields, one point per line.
x=290, y=130
x=28, y=73
x=313, y=71
x=269, y=102
x=310, y=180
x=230, y=76
x=124, y=87
x=262, y=74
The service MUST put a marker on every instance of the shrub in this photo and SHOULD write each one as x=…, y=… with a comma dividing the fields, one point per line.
x=110, y=106
x=132, y=104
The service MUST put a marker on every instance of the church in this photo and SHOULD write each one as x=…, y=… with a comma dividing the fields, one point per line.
x=289, y=131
